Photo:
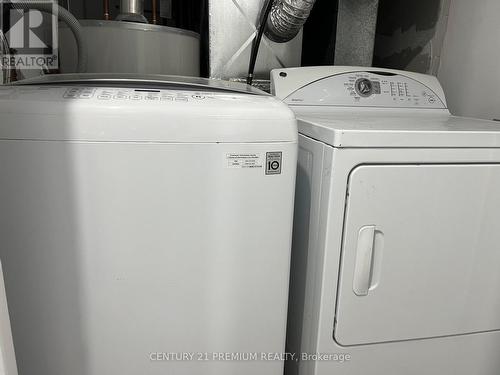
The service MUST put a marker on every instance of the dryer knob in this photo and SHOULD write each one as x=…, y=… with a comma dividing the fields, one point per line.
x=364, y=87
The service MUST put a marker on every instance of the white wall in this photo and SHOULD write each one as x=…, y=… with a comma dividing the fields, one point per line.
x=470, y=59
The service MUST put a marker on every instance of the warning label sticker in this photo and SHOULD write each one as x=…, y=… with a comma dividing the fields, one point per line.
x=244, y=160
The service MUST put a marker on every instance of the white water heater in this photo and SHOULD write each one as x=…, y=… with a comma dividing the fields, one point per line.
x=131, y=47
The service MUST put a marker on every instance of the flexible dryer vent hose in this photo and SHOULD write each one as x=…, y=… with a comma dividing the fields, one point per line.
x=287, y=18
x=68, y=19
x=281, y=20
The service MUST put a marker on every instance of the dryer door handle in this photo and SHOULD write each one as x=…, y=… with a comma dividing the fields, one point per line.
x=364, y=260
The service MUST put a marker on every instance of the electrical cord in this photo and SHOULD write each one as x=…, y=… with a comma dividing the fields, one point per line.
x=264, y=15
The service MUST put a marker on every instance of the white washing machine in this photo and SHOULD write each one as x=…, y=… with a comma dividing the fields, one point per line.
x=145, y=226
x=396, y=247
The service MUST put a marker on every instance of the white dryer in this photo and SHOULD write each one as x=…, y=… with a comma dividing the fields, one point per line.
x=145, y=225
x=396, y=247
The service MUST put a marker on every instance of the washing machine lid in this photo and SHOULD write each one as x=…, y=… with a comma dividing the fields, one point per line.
x=142, y=110
x=152, y=81
x=396, y=128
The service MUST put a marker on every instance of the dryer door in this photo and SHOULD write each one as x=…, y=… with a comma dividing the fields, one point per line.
x=421, y=253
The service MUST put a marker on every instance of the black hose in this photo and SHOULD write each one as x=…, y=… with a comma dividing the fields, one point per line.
x=264, y=15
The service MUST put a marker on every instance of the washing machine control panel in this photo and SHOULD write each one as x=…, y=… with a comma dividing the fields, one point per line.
x=124, y=94
x=372, y=89
x=117, y=96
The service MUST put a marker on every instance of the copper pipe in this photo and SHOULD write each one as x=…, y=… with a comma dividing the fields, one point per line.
x=155, y=10
x=106, y=10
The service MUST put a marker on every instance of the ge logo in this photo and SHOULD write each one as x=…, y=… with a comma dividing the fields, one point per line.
x=273, y=162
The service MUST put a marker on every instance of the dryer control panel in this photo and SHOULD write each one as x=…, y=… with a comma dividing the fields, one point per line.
x=377, y=88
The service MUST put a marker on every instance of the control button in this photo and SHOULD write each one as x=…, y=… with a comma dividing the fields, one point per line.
x=167, y=98
x=181, y=99
x=432, y=100
x=149, y=97
x=71, y=93
x=136, y=97
x=198, y=97
x=104, y=97
x=364, y=87
x=121, y=97
x=86, y=96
